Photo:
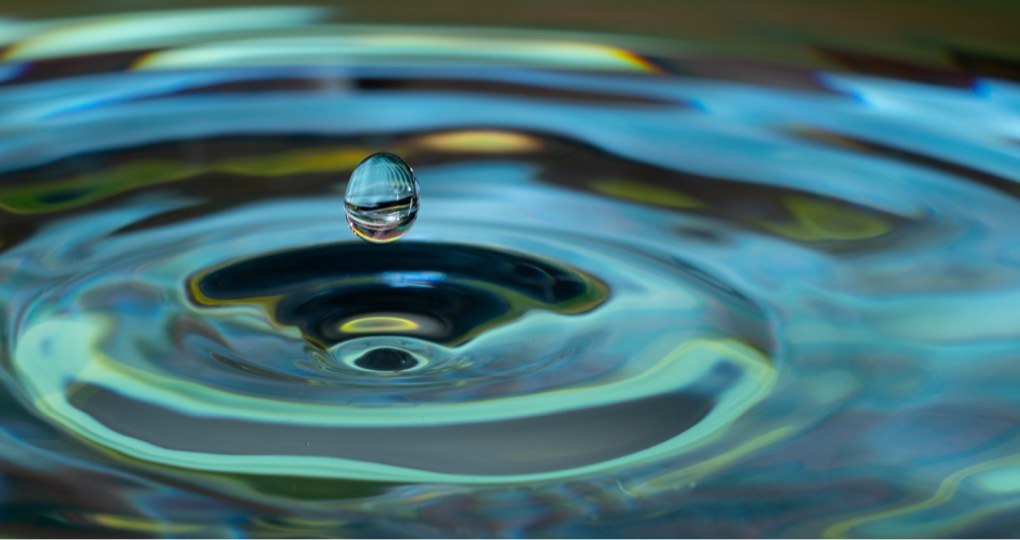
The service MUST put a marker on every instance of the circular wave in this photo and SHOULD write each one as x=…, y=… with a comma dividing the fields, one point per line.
x=623, y=283
x=529, y=366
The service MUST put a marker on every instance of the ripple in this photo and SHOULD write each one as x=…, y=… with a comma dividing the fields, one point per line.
x=346, y=361
x=341, y=360
x=513, y=438
x=442, y=293
x=645, y=286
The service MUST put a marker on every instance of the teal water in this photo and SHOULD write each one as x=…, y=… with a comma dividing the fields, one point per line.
x=639, y=299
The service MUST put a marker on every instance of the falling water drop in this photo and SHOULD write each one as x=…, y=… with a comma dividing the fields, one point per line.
x=382, y=198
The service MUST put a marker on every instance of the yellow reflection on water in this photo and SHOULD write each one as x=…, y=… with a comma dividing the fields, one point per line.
x=645, y=193
x=482, y=140
x=357, y=43
x=374, y=325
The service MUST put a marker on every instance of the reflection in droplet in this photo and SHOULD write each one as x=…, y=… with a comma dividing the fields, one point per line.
x=382, y=198
x=386, y=359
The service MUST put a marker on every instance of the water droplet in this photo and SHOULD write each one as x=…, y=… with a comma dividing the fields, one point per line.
x=382, y=198
x=386, y=359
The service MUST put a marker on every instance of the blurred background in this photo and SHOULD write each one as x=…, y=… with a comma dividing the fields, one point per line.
x=898, y=38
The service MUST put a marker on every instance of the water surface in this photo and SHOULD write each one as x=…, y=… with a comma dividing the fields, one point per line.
x=655, y=287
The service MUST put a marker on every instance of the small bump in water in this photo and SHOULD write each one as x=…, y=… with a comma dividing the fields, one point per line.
x=382, y=198
x=386, y=359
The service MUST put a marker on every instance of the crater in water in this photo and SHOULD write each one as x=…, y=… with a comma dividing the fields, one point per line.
x=386, y=359
x=439, y=292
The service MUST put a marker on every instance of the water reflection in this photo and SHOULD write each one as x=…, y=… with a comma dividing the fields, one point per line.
x=660, y=288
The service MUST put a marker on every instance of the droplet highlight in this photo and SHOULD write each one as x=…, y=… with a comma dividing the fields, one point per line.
x=381, y=202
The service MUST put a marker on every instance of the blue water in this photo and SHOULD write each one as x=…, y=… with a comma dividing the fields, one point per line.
x=635, y=302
